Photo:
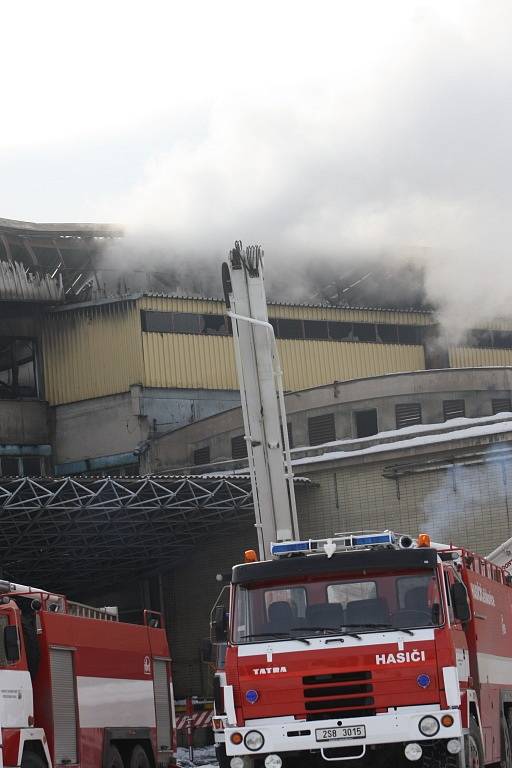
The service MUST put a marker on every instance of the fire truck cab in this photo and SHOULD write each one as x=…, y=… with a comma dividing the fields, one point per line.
x=368, y=648
x=80, y=688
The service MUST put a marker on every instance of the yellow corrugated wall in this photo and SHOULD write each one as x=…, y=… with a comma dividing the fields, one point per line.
x=91, y=352
x=473, y=357
x=181, y=360
x=310, y=363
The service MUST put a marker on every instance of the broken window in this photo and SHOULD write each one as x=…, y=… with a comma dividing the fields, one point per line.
x=366, y=423
x=156, y=322
x=213, y=324
x=185, y=322
x=409, y=334
x=387, y=334
x=17, y=368
x=340, y=331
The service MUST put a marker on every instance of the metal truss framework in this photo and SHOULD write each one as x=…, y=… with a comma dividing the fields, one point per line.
x=70, y=533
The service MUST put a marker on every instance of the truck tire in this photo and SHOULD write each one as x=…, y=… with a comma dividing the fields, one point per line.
x=473, y=746
x=139, y=758
x=113, y=759
x=32, y=760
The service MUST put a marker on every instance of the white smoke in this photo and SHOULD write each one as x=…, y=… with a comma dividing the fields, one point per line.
x=411, y=161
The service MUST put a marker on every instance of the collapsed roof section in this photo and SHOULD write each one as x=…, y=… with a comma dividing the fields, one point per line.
x=51, y=262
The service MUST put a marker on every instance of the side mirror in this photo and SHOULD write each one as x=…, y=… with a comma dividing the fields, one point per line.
x=220, y=623
x=12, y=643
x=460, y=602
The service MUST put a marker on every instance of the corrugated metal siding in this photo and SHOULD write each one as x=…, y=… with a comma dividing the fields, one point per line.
x=92, y=352
x=64, y=705
x=190, y=361
x=471, y=357
x=310, y=363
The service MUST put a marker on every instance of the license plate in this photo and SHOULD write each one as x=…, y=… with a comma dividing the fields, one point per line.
x=345, y=732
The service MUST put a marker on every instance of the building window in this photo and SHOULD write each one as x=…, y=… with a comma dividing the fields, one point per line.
x=454, y=409
x=340, y=331
x=316, y=329
x=501, y=405
x=364, y=332
x=202, y=455
x=321, y=429
x=17, y=368
x=290, y=329
x=21, y=466
x=366, y=423
x=238, y=447
x=387, y=334
x=409, y=334
x=407, y=414
x=489, y=339
x=184, y=322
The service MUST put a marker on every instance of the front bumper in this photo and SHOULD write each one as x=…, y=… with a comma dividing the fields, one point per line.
x=390, y=728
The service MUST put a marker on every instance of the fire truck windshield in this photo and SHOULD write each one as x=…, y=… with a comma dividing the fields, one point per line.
x=333, y=605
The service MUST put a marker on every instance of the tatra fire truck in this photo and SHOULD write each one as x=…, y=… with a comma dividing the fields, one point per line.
x=367, y=648
x=80, y=688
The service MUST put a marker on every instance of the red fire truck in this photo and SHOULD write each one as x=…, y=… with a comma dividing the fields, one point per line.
x=369, y=648
x=79, y=688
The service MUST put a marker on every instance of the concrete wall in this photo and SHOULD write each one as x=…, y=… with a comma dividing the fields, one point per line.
x=120, y=424
x=477, y=386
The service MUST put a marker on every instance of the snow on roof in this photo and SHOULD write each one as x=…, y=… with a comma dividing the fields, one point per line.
x=420, y=435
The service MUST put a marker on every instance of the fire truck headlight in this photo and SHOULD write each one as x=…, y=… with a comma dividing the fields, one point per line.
x=273, y=761
x=413, y=752
x=236, y=762
x=429, y=726
x=454, y=746
x=254, y=741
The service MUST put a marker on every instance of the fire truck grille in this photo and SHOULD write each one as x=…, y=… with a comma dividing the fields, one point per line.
x=336, y=696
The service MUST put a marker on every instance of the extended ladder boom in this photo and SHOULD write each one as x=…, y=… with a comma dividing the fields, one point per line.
x=260, y=378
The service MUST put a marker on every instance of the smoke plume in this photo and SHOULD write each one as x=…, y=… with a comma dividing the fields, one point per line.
x=396, y=156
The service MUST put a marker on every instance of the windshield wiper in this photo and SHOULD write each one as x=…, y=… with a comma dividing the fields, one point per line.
x=279, y=635
x=330, y=630
x=382, y=626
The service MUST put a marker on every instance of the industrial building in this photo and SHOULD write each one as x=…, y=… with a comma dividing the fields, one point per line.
x=122, y=452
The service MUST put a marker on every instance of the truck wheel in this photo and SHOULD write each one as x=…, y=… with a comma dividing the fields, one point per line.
x=139, y=758
x=473, y=746
x=32, y=760
x=114, y=759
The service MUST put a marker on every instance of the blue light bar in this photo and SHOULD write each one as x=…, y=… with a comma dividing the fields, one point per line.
x=373, y=538
x=290, y=546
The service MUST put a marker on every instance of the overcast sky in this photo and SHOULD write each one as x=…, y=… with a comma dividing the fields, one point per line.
x=312, y=126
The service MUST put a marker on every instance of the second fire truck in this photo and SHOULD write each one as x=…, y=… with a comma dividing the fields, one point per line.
x=79, y=688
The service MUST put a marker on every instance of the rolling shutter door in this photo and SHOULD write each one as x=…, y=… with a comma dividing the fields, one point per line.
x=64, y=705
x=162, y=705
x=501, y=405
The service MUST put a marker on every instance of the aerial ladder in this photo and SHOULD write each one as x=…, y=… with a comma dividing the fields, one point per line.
x=261, y=391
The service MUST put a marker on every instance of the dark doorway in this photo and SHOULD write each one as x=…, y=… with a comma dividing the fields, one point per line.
x=366, y=423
